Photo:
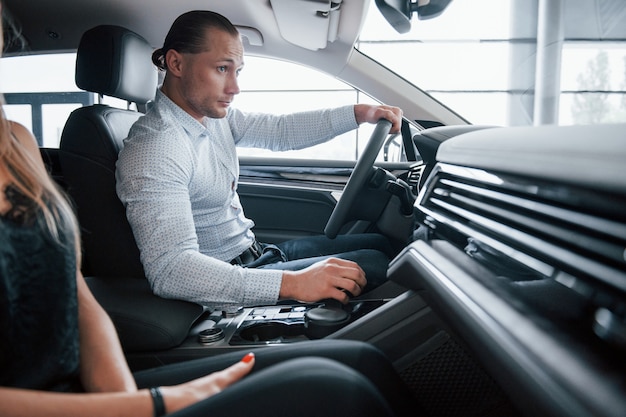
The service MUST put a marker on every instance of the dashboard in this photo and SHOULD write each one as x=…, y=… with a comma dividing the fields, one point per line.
x=522, y=257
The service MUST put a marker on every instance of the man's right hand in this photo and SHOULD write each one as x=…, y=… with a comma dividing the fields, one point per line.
x=331, y=278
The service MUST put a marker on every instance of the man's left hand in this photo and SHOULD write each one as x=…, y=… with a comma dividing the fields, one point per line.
x=366, y=113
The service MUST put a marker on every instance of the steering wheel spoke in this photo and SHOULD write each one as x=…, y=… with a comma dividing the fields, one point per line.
x=360, y=174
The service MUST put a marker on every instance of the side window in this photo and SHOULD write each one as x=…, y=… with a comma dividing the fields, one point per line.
x=42, y=94
x=279, y=87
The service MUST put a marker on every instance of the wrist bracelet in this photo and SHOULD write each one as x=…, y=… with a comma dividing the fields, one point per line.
x=157, y=401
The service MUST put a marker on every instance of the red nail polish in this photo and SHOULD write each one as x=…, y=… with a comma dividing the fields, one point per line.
x=248, y=358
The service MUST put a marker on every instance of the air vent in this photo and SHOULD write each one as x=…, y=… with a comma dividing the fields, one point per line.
x=414, y=176
x=557, y=230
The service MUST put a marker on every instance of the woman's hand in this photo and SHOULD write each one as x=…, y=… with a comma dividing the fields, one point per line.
x=16, y=402
x=180, y=396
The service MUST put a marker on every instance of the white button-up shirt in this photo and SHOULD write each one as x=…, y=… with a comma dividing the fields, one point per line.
x=178, y=179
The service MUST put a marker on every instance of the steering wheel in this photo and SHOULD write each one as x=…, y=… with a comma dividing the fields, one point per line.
x=360, y=174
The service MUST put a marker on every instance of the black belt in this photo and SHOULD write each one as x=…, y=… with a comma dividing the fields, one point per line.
x=249, y=255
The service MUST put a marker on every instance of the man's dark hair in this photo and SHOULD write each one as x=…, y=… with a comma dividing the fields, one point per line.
x=187, y=34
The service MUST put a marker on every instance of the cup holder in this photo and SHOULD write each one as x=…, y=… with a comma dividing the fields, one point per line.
x=272, y=332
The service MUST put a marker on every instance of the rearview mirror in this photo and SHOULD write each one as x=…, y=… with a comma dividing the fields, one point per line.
x=398, y=12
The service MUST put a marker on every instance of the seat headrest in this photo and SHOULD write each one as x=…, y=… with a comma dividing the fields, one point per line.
x=114, y=61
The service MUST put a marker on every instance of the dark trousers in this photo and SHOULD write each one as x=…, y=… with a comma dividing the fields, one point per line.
x=319, y=378
x=370, y=250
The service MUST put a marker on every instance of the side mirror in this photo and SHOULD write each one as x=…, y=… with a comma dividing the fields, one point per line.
x=398, y=12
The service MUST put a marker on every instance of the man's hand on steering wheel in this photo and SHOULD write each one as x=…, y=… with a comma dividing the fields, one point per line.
x=366, y=113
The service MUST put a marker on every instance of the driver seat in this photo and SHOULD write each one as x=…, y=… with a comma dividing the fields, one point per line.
x=114, y=61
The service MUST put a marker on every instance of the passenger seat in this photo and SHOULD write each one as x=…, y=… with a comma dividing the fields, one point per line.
x=114, y=61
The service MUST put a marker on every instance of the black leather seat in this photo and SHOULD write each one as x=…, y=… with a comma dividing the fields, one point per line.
x=113, y=61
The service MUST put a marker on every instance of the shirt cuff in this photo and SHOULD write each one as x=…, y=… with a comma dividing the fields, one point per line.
x=262, y=286
x=343, y=119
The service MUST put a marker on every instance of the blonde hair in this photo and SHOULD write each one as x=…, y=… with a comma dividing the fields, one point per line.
x=29, y=177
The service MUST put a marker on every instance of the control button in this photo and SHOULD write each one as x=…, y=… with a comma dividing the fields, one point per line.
x=230, y=314
x=210, y=335
x=610, y=327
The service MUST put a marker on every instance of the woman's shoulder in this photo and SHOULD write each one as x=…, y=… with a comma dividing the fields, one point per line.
x=25, y=138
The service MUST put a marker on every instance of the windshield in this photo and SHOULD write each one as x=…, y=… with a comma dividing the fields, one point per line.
x=482, y=58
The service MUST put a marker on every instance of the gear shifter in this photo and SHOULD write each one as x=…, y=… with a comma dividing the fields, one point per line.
x=325, y=319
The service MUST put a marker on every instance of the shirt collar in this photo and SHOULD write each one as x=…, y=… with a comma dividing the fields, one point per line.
x=191, y=125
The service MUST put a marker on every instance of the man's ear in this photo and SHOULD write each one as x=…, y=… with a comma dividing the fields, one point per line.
x=174, y=62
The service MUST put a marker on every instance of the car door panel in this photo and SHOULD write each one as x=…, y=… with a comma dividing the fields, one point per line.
x=289, y=199
x=293, y=198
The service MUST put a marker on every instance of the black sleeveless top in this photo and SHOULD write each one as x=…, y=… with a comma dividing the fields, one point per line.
x=39, y=345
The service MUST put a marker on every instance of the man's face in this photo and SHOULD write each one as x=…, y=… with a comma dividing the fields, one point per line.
x=208, y=80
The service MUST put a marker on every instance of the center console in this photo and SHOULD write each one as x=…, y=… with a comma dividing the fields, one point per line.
x=381, y=318
x=279, y=324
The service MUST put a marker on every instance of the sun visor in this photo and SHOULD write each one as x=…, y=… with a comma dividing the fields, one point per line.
x=310, y=24
x=252, y=35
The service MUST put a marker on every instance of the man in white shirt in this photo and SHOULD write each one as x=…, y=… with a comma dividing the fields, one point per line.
x=178, y=172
